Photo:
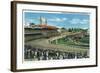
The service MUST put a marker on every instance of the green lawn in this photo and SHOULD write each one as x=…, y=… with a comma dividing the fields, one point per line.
x=83, y=42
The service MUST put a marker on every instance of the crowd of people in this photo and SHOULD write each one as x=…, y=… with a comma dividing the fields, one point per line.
x=48, y=54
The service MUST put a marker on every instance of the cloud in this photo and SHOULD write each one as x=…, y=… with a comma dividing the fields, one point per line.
x=74, y=21
x=30, y=20
x=84, y=21
x=33, y=20
x=57, y=19
x=79, y=21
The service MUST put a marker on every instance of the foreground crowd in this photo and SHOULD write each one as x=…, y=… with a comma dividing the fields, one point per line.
x=48, y=54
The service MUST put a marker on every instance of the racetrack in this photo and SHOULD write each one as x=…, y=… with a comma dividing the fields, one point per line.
x=44, y=43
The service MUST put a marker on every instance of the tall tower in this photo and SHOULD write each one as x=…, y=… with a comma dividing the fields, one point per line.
x=43, y=20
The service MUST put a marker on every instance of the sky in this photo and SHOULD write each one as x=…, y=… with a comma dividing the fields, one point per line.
x=60, y=20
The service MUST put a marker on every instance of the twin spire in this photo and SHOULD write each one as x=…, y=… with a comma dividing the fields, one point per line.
x=43, y=20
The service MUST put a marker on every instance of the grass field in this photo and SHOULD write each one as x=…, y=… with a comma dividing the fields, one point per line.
x=82, y=42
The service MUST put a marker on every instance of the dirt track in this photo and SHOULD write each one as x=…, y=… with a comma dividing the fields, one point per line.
x=44, y=44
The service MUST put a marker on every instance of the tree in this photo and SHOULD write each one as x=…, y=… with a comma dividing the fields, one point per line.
x=32, y=24
x=70, y=30
x=63, y=28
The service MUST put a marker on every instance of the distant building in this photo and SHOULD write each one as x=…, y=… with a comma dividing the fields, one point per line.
x=26, y=25
x=43, y=28
x=43, y=25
